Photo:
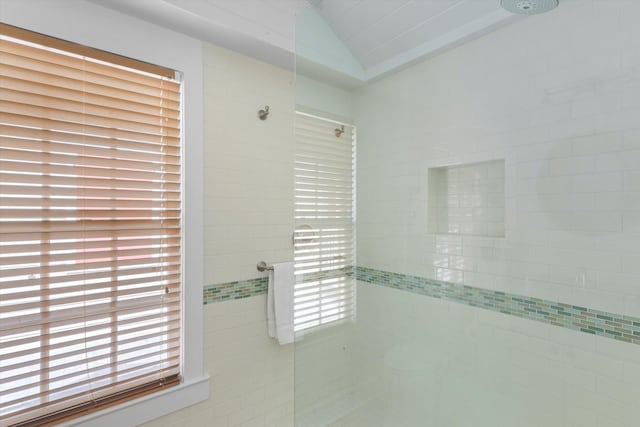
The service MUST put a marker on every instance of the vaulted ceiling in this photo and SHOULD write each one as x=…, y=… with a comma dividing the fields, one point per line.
x=378, y=31
x=356, y=39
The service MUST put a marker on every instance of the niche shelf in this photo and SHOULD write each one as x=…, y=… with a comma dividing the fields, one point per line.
x=467, y=199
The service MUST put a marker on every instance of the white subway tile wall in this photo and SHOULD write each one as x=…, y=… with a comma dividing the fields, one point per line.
x=324, y=375
x=251, y=374
x=483, y=368
x=248, y=165
x=553, y=97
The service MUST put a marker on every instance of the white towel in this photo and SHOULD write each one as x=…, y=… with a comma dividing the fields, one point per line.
x=280, y=302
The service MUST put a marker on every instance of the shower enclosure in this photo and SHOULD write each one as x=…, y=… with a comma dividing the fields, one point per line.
x=497, y=276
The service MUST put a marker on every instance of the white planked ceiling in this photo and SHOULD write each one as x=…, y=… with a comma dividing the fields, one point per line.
x=382, y=35
x=376, y=31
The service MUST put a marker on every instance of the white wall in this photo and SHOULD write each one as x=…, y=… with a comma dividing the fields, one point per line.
x=556, y=96
x=323, y=100
x=467, y=366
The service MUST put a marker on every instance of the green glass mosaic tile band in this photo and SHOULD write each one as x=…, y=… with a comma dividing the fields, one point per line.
x=235, y=290
x=254, y=287
x=583, y=319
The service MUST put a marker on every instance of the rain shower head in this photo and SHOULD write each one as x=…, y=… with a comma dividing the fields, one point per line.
x=529, y=7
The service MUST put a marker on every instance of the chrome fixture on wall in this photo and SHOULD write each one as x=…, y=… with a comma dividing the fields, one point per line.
x=262, y=266
x=263, y=114
x=529, y=7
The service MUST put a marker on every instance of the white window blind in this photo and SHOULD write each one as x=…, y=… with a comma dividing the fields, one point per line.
x=90, y=228
x=324, y=222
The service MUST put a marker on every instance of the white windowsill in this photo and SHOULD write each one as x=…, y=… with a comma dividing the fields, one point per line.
x=147, y=408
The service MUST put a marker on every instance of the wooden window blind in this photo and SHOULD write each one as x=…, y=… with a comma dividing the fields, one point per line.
x=324, y=222
x=90, y=228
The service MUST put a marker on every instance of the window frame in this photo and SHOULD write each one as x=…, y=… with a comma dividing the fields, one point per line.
x=93, y=26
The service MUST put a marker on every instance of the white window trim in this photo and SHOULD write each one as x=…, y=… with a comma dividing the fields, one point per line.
x=89, y=24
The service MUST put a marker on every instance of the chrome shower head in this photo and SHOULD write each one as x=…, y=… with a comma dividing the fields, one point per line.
x=529, y=7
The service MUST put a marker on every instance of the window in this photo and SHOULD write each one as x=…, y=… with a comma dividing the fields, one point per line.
x=324, y=222
x=90, y=228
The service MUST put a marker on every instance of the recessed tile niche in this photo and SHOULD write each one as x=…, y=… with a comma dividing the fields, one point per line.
x=467, y=199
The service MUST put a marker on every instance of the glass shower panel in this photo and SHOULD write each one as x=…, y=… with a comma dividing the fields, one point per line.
x=498, y=214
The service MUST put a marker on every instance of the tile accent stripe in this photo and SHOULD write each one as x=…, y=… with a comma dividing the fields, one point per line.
x=235, y=290
x=254, y=287
x=583, y=319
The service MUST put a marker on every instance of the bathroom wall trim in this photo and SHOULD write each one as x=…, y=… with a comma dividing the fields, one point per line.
x=582, y=319
x=235, y=290
x=577, y=318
